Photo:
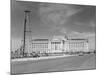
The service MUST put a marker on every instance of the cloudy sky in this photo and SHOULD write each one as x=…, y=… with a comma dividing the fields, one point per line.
x=49, y=19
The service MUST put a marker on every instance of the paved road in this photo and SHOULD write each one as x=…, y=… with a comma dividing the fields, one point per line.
x=58, y=64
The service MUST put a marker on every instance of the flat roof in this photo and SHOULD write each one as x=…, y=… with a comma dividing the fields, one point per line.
x=40, y=39
x=77, y=39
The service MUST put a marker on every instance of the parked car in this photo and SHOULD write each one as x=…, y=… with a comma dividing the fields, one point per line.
x=81, y=53
x=34, y=54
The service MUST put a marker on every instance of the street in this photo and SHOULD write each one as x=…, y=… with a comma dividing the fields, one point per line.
x=55, y=64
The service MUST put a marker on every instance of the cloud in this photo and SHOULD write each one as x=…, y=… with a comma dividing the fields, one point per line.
x=93, y=24
x=54, y=15
x=71, y=17
x=82, y=35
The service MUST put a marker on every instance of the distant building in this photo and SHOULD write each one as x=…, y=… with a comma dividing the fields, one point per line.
x=55, y=46
x=59, y=44
x=77, y=45
x=40, y=45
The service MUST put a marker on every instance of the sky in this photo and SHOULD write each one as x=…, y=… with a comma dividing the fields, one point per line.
x=53, y=19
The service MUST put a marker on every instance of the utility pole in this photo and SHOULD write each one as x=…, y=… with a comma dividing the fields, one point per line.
x=26, y=22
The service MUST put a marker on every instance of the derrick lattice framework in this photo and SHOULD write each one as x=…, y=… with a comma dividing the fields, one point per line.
x=27, y=33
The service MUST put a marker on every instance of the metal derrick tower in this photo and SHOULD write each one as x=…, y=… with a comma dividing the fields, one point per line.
x=27, y=33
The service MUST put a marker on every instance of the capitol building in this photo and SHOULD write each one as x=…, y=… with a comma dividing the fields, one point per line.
x=59, y=44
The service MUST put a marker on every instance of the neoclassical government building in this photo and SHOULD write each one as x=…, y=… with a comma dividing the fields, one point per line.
x=59, y=44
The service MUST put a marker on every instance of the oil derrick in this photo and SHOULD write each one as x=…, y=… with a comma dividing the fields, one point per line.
x=27, y=34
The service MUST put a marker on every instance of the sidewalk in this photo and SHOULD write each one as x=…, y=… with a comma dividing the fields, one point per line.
x=39, y=58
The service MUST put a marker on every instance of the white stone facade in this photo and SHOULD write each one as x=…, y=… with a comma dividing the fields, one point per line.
x=59, y=45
